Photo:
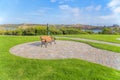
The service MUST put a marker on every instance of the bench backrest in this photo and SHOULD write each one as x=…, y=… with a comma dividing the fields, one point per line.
x=46, y=38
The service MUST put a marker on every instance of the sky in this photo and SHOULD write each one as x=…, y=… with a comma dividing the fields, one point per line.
x=90, y=12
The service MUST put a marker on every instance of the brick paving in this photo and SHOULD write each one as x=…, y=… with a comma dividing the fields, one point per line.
x=68, y=49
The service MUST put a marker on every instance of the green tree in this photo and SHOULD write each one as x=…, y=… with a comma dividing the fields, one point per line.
x=107, y=31
x=18, y=32
x=29, y=31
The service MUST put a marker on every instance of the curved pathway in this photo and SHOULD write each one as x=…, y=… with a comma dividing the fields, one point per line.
x=68, y=49
x=90, y=40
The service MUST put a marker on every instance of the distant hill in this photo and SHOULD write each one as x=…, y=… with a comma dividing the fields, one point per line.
x=9, y=26
x=15, y=26
x=88, y=27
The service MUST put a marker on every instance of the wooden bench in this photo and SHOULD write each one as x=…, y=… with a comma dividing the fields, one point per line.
x=47, y=39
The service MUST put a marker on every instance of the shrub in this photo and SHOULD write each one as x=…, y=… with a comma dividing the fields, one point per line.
x=18, y=32
x=89, y=32
x=2, y=32
x=70, y=30
x=107, y=31
x=9, y=32
x=54, y=31
x=40, y=30
x=29, y=31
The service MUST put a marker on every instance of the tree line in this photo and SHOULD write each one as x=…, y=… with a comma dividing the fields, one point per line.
x=42, y=30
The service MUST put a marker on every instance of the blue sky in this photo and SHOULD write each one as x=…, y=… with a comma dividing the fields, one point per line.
x=92, y=12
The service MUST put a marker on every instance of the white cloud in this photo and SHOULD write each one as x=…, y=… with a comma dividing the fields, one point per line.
x=77, y=15
x=61, y=1
x=39, y=12
x=114, y=3
x=108, y=17
x=117, y=10
x=98, y=7
x=89, y=8
x=114, y=16
x=53, y=1
x=1, y=19
x=64, y=7
x=22, y=19
x=93, y=8
x=70, y=10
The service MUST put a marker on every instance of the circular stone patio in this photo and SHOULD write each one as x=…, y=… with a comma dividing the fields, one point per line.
x=67, y=49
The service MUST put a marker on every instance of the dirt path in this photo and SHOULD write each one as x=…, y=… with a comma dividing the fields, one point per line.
x=68, y=49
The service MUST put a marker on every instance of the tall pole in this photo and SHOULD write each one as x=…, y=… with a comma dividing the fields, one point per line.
x=48, y=32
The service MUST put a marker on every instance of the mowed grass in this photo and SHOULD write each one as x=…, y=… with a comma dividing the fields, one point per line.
x=107, y=38
x=96, y=45
x=18, y=68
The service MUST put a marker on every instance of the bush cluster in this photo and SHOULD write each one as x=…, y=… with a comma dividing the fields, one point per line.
x=42, y=30
x=2, y=32
x=107, y=30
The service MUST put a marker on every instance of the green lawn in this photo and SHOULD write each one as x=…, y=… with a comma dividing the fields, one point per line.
x=18, y=68
x=108, y=38
x=97, y=45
